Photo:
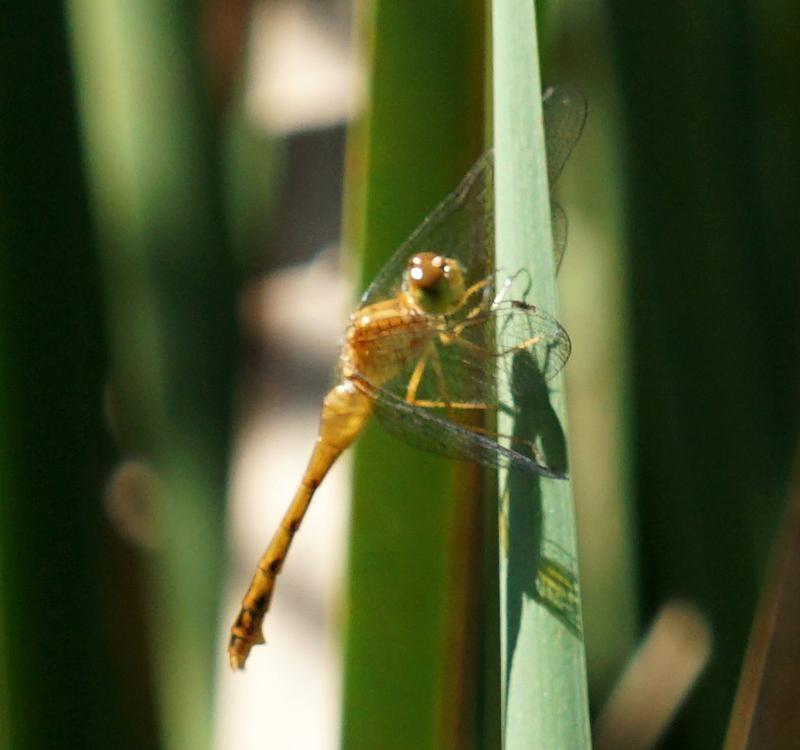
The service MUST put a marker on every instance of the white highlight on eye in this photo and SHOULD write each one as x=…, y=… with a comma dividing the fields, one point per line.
x=365, y=320
x=416, y=273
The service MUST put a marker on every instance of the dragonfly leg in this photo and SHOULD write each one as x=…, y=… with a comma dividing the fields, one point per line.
x=475, y=311
x=522, y=346
x=416, y=377
x=413, y=384
x=436, y=363
x=440, y=379
x=451, y=404
x=455, y=338
x=476, y=287
x=345, y=411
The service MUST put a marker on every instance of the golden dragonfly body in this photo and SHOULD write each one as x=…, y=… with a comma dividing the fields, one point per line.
x=380, y=338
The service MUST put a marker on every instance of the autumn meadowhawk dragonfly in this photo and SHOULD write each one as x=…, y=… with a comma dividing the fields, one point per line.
x=432, y=337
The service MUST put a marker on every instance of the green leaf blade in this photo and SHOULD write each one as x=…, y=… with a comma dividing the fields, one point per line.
x=543, y=673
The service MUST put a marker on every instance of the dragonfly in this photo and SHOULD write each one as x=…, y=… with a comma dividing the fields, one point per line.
x=424, y=351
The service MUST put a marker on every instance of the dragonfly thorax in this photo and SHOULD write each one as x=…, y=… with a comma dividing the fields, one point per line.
x=434, y=283
x=383, y=336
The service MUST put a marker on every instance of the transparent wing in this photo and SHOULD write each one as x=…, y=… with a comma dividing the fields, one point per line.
x=428, y=431
x=462, y=225
x=564, y=115
x=559, y=221
x=458, y=376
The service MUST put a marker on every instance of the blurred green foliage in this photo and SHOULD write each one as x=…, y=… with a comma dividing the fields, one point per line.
x=154, y=167
x=711, y=152
x=71, y=667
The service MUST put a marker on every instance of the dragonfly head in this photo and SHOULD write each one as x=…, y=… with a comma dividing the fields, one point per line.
x=434, y=282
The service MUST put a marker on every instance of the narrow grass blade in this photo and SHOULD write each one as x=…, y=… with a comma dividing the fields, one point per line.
x=543, y=670
x=407, y=670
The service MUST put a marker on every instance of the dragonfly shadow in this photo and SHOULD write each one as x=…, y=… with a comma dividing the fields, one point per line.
x=535, y=572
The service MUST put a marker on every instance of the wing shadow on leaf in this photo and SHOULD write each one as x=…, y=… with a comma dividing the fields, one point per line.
x=535, y=573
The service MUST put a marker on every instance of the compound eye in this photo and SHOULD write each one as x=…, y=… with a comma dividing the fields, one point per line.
x=425, y=270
